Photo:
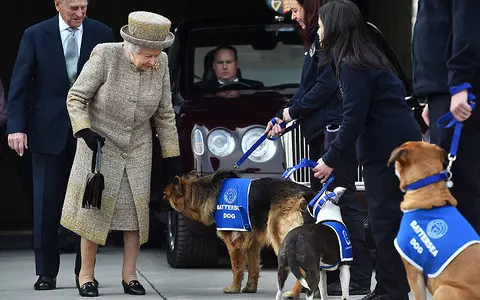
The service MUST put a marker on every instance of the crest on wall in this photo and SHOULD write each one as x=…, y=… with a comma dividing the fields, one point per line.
x=279, y=6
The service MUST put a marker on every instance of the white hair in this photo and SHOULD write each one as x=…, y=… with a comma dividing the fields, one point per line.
x=131, y=47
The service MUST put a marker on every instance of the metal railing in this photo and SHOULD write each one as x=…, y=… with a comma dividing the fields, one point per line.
x=296, y=148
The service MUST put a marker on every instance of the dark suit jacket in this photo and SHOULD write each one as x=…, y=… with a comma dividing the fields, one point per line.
x=38, y=90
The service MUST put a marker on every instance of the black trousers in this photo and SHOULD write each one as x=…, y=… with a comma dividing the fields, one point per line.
x=361, y=269
x=466, y=168
x=384, y=197
x=50, y=179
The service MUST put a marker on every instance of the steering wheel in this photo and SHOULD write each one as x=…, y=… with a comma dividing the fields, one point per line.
x=235, y=85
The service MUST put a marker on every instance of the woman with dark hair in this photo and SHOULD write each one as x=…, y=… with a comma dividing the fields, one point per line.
x=317, y=103
x=376, y=119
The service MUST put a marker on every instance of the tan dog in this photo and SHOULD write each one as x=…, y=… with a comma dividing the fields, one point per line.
x=458, y=278
x=276, y=206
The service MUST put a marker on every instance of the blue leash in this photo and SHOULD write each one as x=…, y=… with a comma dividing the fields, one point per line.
x=304, y=162
x=262, y=138
x=448, y=120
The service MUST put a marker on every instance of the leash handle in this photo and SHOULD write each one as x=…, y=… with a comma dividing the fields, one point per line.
x=448, y=121
x=304, y=162
x=262, y=138
x=283, y=125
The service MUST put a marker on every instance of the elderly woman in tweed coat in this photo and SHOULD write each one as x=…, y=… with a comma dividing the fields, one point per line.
x=120, y=88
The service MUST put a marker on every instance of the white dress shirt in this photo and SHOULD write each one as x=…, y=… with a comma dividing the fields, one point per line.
x=223, y=82
x=64, y=33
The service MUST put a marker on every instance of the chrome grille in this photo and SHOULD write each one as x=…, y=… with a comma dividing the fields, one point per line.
x=296, y=148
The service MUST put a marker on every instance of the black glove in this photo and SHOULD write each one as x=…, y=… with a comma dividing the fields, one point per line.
x=173, y=167
x=91, y=137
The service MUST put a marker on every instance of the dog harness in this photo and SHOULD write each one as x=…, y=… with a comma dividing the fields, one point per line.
x=429, y=239
x=232, y=205
x=346, y=251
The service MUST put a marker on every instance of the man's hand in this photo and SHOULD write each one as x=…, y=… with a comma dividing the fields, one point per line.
x=18, y=141
x=322, y=171
x=273, y=130
x=425, y=116
x=459, y=106
x=286, y=115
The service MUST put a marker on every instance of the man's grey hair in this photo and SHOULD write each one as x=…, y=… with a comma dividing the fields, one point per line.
x=131, y=47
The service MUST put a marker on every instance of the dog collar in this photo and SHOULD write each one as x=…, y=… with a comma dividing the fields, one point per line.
x=444, y=175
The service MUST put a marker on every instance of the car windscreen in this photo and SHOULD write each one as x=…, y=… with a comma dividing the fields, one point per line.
x=266, y=58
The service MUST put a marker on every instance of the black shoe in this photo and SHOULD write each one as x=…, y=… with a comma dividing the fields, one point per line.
x=45, y=283
x=133, y=288
x=335, y=289
x=77, y=284
x=377, y=295
x=88, y=289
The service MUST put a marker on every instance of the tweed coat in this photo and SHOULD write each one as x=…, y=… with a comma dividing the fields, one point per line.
x=117, y=100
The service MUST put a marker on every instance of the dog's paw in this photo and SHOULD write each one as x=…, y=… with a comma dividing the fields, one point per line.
x=290, y=295
x=231, y=290
x=249, y=289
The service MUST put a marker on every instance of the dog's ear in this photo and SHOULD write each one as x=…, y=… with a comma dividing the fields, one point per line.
x=177, y=185
x=397, y=153
x=193, y=174
x=339, y=192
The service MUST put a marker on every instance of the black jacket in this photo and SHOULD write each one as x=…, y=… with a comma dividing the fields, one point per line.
x=376, y=116
x=317, y=100
x=446, y=45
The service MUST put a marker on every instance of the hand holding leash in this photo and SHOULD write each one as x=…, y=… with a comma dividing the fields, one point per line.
x=322, y=171
x=449, y=119
x=273, y=121
x=275, y=127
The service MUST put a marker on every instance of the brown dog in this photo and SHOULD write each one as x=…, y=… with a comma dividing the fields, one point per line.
x=459, y=276
x=275, y=206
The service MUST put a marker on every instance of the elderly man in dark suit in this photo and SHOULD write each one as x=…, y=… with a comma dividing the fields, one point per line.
x=51, y=55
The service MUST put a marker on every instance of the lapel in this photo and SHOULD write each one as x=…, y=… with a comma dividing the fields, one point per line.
x=88, y=43
x=55, y=48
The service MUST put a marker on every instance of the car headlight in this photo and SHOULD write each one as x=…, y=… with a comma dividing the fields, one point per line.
x=198, y=146
x=220, y=142
x=264, y=152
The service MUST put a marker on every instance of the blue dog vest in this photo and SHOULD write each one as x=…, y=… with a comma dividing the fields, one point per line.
x=346, y=253
x=232, y=205
x=431, y=239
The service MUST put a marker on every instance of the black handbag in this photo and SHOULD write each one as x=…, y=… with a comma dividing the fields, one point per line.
x=92, y=197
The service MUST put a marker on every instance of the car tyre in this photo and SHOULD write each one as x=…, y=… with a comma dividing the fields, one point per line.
x=189, y=243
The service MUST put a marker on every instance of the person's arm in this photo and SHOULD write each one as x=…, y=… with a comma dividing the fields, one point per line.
x=85, y=88
x=464, y=61
x=20, y=85
x=324, y=89
x=357, y=88
x=164, y=117
x=3, y=107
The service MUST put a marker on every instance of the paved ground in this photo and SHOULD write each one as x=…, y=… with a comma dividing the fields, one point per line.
x=161, y=282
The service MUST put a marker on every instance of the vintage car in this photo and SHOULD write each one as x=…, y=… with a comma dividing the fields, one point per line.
x=217, y=126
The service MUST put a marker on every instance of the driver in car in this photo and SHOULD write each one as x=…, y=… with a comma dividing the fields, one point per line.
x=225, y=66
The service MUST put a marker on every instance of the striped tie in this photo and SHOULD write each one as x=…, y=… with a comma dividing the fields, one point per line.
x=71, y=55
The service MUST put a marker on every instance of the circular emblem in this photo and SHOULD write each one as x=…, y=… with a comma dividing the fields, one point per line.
x=437, y=228
x=347, y=238
x=230, y=196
